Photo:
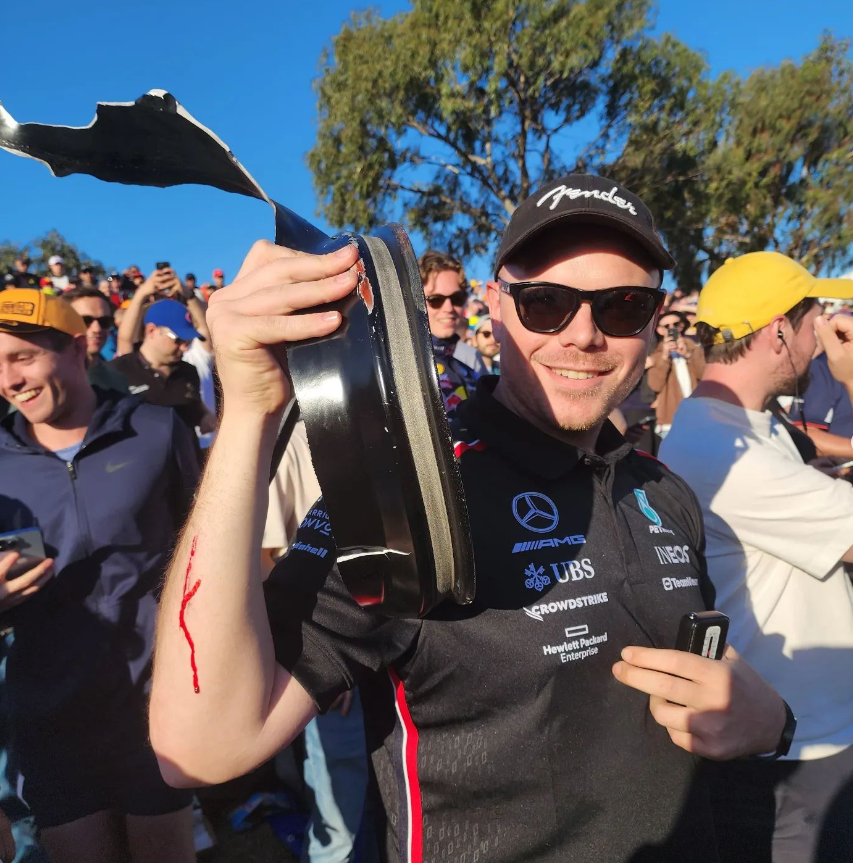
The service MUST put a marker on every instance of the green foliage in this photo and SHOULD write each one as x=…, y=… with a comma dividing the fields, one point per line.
x=449, y=115
x=782, y=177
x=41, y=248
x=457, y=108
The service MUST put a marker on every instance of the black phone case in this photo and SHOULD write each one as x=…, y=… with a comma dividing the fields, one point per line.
x=703, y=633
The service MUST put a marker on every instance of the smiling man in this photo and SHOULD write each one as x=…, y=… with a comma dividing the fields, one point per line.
x=108, y=481
x=446, y=294
x=516, y=728
x=97, y=313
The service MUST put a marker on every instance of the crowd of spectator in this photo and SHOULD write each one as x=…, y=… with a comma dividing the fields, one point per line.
x=111, y=403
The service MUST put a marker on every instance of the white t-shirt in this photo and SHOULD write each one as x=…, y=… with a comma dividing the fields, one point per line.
x=293, y=491
x=197, y=355
x=776, y=531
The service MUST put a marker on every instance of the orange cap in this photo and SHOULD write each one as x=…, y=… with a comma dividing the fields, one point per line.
x=26, y=310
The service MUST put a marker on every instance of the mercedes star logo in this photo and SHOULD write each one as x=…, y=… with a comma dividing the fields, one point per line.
x=535, y=511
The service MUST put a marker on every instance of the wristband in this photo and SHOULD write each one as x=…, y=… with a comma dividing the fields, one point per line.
x=787, y=737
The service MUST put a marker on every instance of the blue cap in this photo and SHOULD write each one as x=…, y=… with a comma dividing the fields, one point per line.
x=171, y=314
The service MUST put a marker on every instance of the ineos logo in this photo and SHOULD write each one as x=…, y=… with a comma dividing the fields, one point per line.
x=535, y=511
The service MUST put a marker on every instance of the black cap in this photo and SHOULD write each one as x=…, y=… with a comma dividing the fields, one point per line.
x=190, y=276
x=584, y=199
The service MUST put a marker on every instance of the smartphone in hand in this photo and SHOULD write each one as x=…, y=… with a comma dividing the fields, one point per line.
x=703, y=633
x=30, y=546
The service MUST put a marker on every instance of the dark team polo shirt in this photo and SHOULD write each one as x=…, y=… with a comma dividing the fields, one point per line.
x=826, y=403
x=497, y=730
x=180, y=390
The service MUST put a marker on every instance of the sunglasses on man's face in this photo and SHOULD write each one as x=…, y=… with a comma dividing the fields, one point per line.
x=105, y=322
x=544, y=307
x=456, y=299
x=169, y=334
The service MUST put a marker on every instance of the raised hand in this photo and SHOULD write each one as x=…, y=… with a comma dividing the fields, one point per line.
x=253, y=319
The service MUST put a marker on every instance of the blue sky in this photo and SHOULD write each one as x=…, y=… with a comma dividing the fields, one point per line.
x=247, y=72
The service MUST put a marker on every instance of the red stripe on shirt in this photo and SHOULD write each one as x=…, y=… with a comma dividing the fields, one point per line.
x=461, y=447
x=645, y=454
x=410, y=766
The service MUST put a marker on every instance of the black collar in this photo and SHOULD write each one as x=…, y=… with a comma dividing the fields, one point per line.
x=519, y=441
x=149, y=368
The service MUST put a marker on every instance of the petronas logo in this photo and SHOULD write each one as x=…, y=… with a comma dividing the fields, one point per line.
x=646, y=507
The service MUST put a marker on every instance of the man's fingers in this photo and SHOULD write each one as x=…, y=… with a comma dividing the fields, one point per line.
x=271, y=330
x=40, y=573
x=263, y=252
x=663, y=685
x=312, y=268
x=298, y=266
x=7, y=561
x=11, y=600
x=843, y=326
x=677, y=721
x=671, y=716
x=677, y=662
x=730, y=654
x=685, y=740
x=36, y=586
x=828, y=337
x=284, y=299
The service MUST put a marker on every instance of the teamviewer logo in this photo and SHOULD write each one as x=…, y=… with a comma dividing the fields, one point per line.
x=667, y=583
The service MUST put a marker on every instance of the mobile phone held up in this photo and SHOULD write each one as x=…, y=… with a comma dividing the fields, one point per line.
x=163, y=265
x=673, y=333
x=29, y=545
x=703, y=633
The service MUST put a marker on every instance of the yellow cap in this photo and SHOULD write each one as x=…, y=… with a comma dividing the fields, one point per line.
x=746, y=293
x=27, y=310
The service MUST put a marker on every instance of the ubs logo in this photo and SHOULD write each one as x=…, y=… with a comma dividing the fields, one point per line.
x=535, y=511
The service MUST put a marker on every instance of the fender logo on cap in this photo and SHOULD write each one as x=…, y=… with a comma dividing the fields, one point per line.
x=565, y=192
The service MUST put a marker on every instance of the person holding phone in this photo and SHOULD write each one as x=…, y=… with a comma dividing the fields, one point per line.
x=17, y=586
x=516, y=728
x=675, y=367
x=102, y=482
x=779, y=535
x=164, y=351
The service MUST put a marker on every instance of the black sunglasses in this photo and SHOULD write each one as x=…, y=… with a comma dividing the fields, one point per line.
x=544, y=307
x=106, y=321
x=457, y=299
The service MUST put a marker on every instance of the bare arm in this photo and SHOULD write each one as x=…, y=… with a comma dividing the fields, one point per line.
x=660, y=368
x=246, y=706
x=836, y=336
x=828, y=444
x=198, y=311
